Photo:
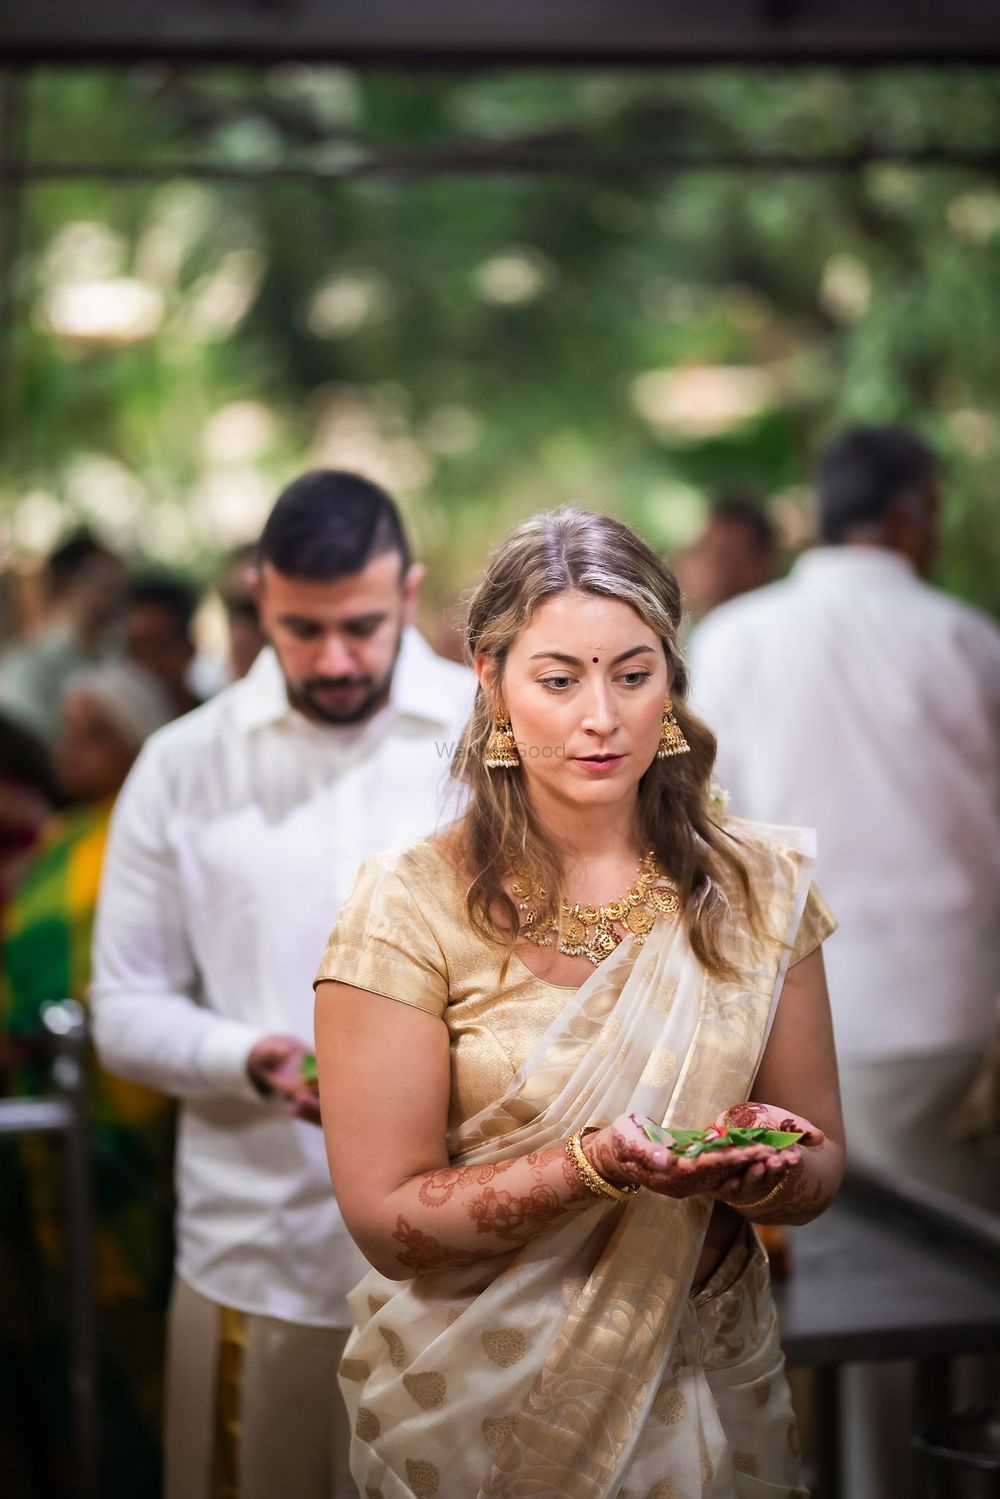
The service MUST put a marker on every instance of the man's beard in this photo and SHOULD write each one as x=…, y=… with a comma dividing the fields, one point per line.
x=375, y=695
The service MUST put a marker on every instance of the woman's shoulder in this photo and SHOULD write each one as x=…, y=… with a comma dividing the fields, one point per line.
x=429, y=859
x=779, y=861
x=769, y=837
x=776, y=856
x=423, y=874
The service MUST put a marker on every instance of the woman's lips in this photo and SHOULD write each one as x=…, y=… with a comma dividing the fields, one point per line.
x=597, y=764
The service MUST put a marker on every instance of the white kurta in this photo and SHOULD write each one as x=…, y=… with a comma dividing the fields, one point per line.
x=236, y=839
x=855, y=698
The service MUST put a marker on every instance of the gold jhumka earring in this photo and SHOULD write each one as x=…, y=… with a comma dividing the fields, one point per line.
x=501, y=749
x=672, y=741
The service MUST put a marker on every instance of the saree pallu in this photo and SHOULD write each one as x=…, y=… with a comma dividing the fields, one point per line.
x=578, y=1366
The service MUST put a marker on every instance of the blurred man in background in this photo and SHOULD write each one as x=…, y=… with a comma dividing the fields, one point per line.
x=246, y=638
x=736, y=552
x=157, y=625
x=84, y=584
x=855, y=698
x=234, y=843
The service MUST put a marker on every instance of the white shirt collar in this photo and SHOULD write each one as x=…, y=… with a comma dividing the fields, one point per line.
x=420, y=688
x=867, y=561
x=260, y=698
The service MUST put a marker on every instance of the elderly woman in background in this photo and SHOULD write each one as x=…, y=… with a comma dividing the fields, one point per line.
x=106, y=714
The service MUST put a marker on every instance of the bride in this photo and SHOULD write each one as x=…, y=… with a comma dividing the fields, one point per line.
x=560, y=1304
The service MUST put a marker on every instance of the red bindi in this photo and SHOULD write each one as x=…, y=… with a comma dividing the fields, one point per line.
x=595, y=660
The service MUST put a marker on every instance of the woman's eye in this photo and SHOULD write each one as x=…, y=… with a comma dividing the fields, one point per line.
x=636, y=678
x=556, y=684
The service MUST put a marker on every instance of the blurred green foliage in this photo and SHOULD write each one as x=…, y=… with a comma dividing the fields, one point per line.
x=492, y=342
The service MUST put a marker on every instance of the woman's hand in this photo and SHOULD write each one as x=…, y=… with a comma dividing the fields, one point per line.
x=624, y=1154
x=764, y=1175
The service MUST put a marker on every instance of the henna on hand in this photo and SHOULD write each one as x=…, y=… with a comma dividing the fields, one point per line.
x=746, y=1115
x=753, y=1185
x=806, y=1187
x=624, y=1154
x=742, y=1115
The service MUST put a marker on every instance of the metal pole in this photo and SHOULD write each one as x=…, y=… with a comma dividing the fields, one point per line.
x=513, y=159
x=931, y=1400
x=828, y=1433
x=66, y=1023
x=11, y=119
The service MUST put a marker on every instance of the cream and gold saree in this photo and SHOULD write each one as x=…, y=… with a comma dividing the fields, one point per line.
x=579, y=1364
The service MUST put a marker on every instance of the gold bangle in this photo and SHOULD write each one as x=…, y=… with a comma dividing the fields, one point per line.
x=744, y=1207
x=593, y=1179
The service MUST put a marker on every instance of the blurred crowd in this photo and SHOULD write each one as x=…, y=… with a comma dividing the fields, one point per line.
x=113, y=659
x=113, y=656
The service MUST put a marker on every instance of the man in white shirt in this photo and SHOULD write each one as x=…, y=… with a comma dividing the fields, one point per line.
x=855, y=698
x=234, y=842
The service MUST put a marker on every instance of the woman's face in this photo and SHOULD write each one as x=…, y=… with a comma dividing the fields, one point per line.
x=584, y=686
x=91, y=757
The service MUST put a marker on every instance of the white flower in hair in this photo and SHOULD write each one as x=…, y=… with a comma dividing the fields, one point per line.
x=718, y=797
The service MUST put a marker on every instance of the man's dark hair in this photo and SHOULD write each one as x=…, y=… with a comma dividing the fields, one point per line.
x=864, y=471
x=740, y=509
x=72, y=557
x=330, y=523
x=169, y=591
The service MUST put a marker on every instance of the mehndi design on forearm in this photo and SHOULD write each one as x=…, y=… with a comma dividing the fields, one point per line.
x=438, y=1187
x=502, y=1217
x=423, y=1254
x=515, y=1217
x=508, y=1215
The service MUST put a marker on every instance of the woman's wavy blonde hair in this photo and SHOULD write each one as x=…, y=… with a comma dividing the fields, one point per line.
x=559, y=552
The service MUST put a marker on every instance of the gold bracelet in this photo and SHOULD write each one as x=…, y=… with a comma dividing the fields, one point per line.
x=593, y=1179
x=744, y=1207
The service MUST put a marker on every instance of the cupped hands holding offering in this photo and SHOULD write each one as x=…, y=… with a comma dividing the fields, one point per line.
x=743, y=1157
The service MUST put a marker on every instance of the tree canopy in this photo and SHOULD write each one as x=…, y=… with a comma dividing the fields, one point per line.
x=497, y=292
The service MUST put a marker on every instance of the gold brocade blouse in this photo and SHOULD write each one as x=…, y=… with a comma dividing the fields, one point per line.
x=404, y=933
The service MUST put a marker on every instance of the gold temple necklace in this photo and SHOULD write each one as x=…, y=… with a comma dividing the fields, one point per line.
x=652, y=894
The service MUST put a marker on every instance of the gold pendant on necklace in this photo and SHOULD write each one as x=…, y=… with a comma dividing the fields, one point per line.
x=653, y=894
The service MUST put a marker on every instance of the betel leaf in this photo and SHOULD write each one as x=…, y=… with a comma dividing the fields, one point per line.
x=691, y=1143
x=308, y=1071
x=780, y=1139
